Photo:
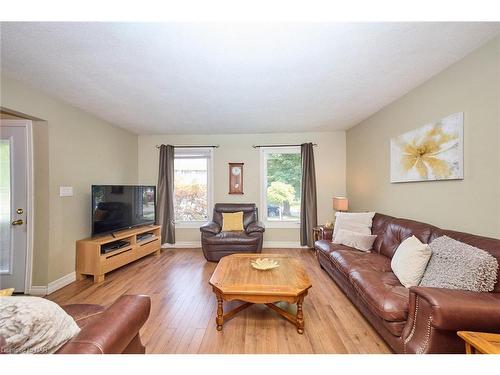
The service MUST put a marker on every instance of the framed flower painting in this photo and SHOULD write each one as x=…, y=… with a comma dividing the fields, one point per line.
x=431, y=152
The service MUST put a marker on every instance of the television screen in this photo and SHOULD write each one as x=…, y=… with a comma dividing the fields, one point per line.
x=117, y=207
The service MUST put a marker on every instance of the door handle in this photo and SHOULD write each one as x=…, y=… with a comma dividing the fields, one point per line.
x=18, y=222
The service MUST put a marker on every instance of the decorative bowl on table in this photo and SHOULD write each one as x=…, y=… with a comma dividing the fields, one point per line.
x=264, y=264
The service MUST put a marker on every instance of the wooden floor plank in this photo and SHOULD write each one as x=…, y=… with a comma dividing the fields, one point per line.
x=182, y=318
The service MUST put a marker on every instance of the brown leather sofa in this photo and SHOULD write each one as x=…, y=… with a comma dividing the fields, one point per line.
x=419, y=319
x=113, y=330
x=216, y=243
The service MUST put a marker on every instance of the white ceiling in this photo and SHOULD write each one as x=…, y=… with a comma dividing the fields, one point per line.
x=233, y=78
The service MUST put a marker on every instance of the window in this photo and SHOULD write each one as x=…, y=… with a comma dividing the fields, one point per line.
x=281, y=179
x=192, y=185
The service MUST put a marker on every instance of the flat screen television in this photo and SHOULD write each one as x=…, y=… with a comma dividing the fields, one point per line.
x=117, y=207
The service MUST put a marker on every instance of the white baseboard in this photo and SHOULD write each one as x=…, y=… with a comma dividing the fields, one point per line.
x=282, y=245
x=266, y=244
x=182, y=245
x=38, y=291
x=53, y=285
x=61, y=282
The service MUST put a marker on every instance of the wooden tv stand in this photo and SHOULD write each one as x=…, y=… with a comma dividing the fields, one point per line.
x=90, y=260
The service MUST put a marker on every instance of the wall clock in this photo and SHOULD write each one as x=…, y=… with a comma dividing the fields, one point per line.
x=235, y=178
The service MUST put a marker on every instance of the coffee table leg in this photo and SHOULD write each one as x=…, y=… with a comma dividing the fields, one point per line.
x=220, y=313
x=300, y=316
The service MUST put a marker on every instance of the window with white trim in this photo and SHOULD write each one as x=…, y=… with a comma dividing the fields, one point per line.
x=281, y=173
x=192, y=186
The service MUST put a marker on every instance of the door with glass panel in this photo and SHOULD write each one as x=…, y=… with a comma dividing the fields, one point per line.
x=13, y=199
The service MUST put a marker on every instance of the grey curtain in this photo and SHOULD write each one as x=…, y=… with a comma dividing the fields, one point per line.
x=165, y=205
x=308, y=203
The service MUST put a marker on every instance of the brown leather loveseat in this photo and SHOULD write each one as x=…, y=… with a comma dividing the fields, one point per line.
x=419, y=319
x=216, y=243
x=114, y=330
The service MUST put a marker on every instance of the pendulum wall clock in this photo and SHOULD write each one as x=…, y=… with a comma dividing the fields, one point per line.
x=235, y=178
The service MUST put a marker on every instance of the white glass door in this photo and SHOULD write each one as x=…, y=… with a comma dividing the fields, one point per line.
x=13, y=199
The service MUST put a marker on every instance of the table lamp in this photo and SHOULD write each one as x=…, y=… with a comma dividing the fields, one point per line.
x=340, y=204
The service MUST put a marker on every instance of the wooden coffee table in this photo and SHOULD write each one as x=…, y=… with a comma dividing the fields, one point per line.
x=235, y=279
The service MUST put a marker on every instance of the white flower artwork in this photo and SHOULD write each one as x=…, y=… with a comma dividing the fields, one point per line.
x=429, y=153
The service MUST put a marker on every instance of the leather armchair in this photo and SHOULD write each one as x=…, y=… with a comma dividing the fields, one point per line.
x=215, y=243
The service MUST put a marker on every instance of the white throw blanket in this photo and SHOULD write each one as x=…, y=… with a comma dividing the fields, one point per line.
x=34, y=325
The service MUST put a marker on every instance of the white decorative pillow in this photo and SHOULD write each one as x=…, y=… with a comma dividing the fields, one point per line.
x=363, y=242
x=410, y=260
x=359, y=222
x=34, y=325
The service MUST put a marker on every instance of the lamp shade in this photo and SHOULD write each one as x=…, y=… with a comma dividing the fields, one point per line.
x=340, y=203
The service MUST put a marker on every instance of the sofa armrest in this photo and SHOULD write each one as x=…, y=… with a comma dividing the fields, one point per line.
x=436, y=314
x=456, y=310
x=326, y=233
x=113, y=329
x=255, y=227
x=211, y=227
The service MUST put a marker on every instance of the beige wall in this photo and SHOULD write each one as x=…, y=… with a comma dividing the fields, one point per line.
x=329, y=159
x=471, y=86
x=83, y=150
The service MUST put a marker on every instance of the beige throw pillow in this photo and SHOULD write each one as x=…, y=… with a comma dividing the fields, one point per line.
x=232, y=221
x=6, y=292
x=363, y=242
x=410, y=260
x=34, y=325
x=358, y=222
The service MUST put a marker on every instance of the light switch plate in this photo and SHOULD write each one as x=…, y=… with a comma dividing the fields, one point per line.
x=65, y=191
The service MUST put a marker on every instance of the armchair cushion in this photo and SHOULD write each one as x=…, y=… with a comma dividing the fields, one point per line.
x=231, y=239
x=255, y=227
x=461, y=310
x=211, y=228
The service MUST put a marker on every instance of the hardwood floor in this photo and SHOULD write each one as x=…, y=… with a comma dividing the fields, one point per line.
x=183, y=310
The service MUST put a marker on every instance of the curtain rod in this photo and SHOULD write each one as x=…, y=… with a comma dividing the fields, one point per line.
x=189, y=146
x=259, y=146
